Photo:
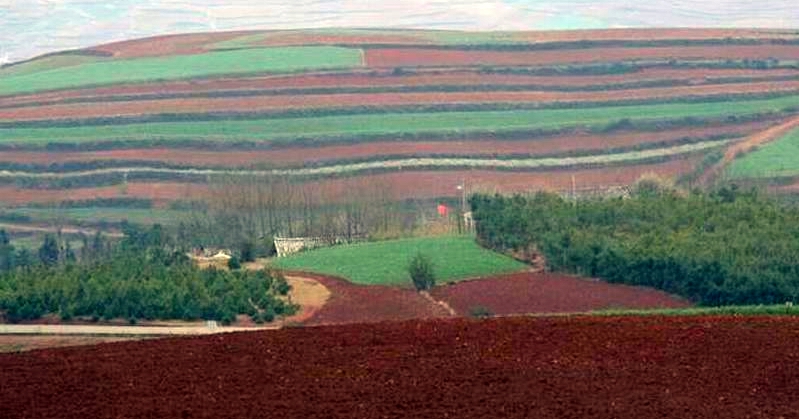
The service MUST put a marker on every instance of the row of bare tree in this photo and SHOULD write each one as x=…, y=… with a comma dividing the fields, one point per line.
x=257, y=208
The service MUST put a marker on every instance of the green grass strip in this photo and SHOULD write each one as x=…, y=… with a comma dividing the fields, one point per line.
x=756, y=310
x=265, y=60
x=387, y=124
x=386, y=263
x=99, y=214
x=778, y=158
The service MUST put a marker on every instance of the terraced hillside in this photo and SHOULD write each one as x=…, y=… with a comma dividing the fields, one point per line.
x=419, y=111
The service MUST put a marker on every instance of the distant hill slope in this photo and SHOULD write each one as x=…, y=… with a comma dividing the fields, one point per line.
x=418, y=111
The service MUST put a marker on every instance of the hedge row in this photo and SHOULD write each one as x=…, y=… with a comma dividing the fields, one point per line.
x=725, y=248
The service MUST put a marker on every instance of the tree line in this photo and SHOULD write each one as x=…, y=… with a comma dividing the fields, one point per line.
x=726, y=247
x=146, y=275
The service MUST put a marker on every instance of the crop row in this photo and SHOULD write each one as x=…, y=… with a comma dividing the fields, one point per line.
x=286, y=105
x=112, y=175
x=568, y=76
x=275, y=60
x=290, y=129
x=554, y=149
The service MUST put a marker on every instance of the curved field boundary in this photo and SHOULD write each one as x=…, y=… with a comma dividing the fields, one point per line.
x=276, y=60
x=424, y=57
x=399, y=164
x=537, y=293
x=353, y=303
x=386, y=79
x=381, y=100
x=745, y=146
x=292, y=129
x=293, y=156
x=400, y=185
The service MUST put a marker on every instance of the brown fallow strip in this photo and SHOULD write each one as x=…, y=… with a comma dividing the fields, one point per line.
x=748, y=144
x=398, y=57
x=283, y=102
x=296, y=156
x=382, y=78
x=400, y=185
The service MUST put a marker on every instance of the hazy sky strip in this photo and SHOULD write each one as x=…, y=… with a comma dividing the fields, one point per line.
x=32, y=27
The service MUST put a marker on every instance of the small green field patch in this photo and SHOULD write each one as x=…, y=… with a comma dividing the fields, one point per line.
x=778, y=158
x=287, y=129
x=262, y=60
x=454, y=258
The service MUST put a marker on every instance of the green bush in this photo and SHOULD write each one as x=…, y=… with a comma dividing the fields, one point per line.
x=421, y=272
x=480, y=312
x=728, y=247
x=234, y=263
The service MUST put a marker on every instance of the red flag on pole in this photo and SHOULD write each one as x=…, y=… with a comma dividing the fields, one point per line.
x=443, y=210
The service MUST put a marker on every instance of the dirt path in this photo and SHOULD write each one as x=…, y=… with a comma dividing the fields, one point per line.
x=66, y=230
x=74, y=329
x=351, y=303
x=746, y=146
x=309, y=294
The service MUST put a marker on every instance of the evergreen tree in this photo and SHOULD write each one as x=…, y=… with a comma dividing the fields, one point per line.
x=49, y=251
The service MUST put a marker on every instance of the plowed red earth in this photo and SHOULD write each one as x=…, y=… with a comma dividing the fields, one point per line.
x=183, y=44
x=387, y=79
x=399, y=185
x=524, y=293
x=432, y=58
x=351, y=303
x=298, y=155
x=688, y=367
x=637, y=34
x=343, y=100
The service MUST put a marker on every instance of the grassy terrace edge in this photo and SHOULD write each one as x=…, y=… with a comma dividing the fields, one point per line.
x=454, y=258
x=264, y=60
x=292, y=129
x=743, y=310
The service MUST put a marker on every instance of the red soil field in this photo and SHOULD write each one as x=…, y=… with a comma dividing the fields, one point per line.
x=651, y=34
x=524, y=293
x=294, y=38
x=201, y=42
x=399, y=185
x=351, y=303
x=575, y=367
x=385, y=78
x=183, y=44
x=399, y=57
x=17, y=343
x=281, y=102
x=158, y=191
x=295, y=156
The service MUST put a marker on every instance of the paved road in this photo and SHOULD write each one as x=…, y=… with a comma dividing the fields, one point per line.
x=18, y=329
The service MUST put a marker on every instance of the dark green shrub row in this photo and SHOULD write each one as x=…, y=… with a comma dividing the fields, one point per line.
x=96, y=180
x=447, y=88
x=124, y=202
x=292, y=142
x=372, y=110
x=724, y=248
x=582, y=44
x=143, y=277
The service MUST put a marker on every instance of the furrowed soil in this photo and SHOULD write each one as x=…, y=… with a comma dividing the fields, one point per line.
x=379, y=78
x=293, y=156
x=524, y=293
x=398, y=185
x=576, y=367
x=395, y=57
x=351, y=303
x=378, y=100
